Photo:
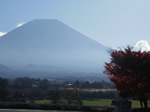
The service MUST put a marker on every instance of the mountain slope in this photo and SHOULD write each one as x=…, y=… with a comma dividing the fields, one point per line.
x=51, y=42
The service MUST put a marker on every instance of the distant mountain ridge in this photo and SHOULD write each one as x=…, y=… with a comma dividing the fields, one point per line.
x=4, y=68
x=51, y=42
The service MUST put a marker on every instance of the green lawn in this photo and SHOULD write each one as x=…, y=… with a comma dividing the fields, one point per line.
x=43, y=101
x=107, y=102
x=100, y=102
x=136, y=103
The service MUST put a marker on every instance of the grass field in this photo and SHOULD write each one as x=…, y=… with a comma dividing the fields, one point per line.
x=100, y=102
x=107, y=102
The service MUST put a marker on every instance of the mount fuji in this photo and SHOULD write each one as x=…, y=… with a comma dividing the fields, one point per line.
x=51, y=43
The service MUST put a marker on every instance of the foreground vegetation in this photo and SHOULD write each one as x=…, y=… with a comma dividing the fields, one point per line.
x=87, y=106
x=43, y=91
x=55, y=107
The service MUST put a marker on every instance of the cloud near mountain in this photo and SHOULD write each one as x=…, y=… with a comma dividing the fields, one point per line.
x=2, y=33
x=143, y=45
x=20, y=24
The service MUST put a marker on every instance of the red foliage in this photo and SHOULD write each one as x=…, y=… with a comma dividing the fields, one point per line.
x=130, y=71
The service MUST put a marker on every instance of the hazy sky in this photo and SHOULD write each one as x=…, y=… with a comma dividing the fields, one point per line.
x=114, y=23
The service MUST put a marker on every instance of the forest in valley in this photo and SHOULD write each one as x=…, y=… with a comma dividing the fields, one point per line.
x=25, y=89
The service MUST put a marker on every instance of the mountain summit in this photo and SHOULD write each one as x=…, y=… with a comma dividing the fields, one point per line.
x=51, y=42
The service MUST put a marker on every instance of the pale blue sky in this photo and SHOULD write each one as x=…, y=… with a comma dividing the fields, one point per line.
x=114, y=23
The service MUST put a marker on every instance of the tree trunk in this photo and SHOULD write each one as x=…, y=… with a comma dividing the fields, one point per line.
x=145, y=106
x=145, y=103
x=141, y=103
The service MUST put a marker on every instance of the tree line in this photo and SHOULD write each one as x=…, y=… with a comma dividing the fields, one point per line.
x=25, y=89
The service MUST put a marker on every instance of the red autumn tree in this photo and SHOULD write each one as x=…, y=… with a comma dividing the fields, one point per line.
x=129, y=70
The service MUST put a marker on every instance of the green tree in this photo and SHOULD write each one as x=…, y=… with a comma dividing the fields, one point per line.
x=72, y=95
x=44, y=84
x=3, y=89
x=17, y=97
x=55, y=95
x=23, y=83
